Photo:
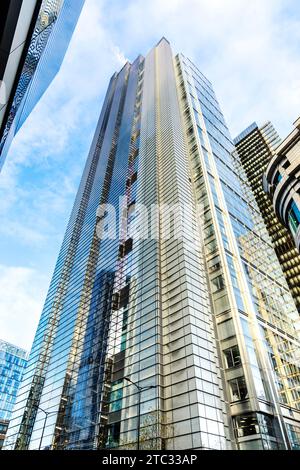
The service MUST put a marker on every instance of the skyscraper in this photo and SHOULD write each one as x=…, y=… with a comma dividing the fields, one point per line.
x=12, y=363
x=17, y=19
x=178, y=332
x=282, y=182
x=34, y=37
x=256, y=147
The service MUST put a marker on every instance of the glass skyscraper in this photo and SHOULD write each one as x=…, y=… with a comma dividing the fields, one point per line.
x=202, y=322
x=12, y=363
x=37, y=43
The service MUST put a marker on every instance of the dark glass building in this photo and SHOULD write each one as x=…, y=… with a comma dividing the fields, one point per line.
x=12, y=364
x=34, y=37
x=168, y=323
x=256, y=147
x=282, y=182
x=17, y=20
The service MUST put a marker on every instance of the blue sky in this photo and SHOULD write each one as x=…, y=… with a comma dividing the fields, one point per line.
x=250, y=52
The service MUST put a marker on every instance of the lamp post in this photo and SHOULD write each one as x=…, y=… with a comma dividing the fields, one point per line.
x=140, y=390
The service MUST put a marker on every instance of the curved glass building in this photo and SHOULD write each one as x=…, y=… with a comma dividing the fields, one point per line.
x=33, y=41
x=172, y=328
x=282, y=182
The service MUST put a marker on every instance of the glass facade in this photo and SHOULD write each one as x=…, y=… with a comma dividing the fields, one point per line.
x=281, y=182
x=51, y=35
x=254, y=309
x=256, y=146
x=12, y=364
x=202, y=321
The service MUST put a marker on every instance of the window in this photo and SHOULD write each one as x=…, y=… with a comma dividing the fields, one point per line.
x=207, y=217
x=208, y=231
x=214, y=264
x=217, y=283
x=116, y=395
x=3, y=428
x=294, y=436
x=254, y=423
x=286, y=164
x=211, y=246
x=267, y=424
x=232, y=356
x=238, y=389
x=201, y=137
x=294, y=217
x=113, y=435
x=221, y=304
x=121, y=298
x=246, y=425
x=115, y=406
x=125, y=248
x=226, y=329
x=278, y=178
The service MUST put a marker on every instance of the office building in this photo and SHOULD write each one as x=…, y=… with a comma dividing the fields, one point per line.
x=282, y=182
x=15, y=23
x=168, y=323
x=34, y=36
x=256, y=146
x=12, y=363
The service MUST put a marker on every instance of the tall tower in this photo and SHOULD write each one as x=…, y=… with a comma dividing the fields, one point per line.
x=256, y=147
x=177, y=333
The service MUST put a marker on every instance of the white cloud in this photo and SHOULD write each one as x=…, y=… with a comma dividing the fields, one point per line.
x=90, y=61
x=20, y=303
x=27, y=235
x=67, y=113
x=41, y=174
x=249, y=50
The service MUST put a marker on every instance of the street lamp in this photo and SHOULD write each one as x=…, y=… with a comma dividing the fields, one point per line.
x=140, y=390
x=47, y=413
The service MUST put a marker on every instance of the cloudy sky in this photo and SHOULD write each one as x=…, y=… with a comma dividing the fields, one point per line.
x=250, y=52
